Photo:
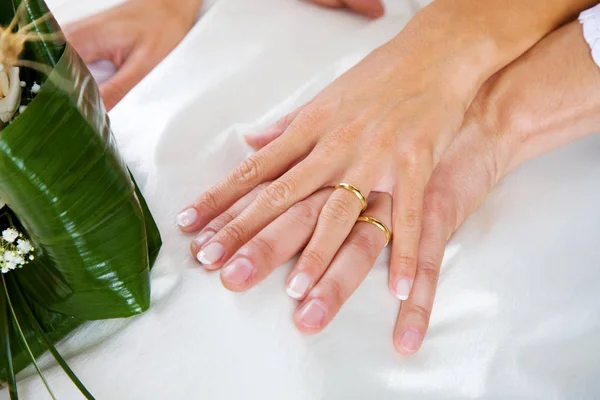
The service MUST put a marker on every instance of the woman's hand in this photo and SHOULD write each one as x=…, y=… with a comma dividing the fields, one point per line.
x=135, y=37
x=286, y=236
x=369, y=8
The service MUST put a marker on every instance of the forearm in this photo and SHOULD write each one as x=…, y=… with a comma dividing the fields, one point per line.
x=544, y=100
x=472, y=40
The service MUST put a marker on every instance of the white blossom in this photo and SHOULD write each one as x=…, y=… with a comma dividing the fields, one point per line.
x=35, y=88
x=10, y=235
x=15, y=250
x=24, y=245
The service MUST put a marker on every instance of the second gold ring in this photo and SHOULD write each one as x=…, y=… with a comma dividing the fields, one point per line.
x=380, y=225
x=354, y=190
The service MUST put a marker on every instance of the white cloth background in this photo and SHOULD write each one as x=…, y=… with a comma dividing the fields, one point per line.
x=516, y=315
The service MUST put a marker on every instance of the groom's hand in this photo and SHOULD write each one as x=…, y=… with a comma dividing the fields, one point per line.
x=369, y=8
x=135, y=37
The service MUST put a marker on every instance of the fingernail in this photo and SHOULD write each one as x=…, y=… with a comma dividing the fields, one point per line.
x=201, y=239
x=411, y=340
x=211, y=253
x=402, y=288
x=298, y=286
x=312, y=315
x=187, y=218
x=238, y=272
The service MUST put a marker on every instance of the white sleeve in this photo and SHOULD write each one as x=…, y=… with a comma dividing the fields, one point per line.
x=590, y=21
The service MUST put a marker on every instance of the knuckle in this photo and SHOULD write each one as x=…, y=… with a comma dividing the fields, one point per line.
x=264, y=247
x=365, y=244
x=438, y=204
x=278, y=194
x=406, y=263
x=429, y=272
x=311, y=116
x=337, y=211
x=314, y=259
x=416, y=156
x=235, y=232
x=222, y=220
x=411, y=219
x=335, y=290
x=417, y=311
x=249, y=171
x=209, y=200
x=303, y=213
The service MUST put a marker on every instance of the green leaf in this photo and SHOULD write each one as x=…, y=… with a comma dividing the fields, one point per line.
x=71, y=193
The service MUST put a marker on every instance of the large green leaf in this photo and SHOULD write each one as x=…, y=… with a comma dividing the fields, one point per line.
x=70, y=192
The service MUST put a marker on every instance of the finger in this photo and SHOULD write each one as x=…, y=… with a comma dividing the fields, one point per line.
x=348, y=269
x=412, y=176
x=222, y=220
x=415, y=313
x=457, y=187
x=135, y=68
x=266, y=165
x=297, y=184
x=335, y=223
x=89, y=39
x=258, y=140
x=274, y=245
x=369, y=8
x=330, y=3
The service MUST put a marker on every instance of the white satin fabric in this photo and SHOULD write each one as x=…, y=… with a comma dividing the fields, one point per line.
x=590, y=20
x=517, y=312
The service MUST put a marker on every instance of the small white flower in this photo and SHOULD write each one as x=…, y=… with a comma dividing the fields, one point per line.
x=35, y=88
x=24, y=245
x=22, y=109
x=23, y=84
x=10, y=235
x=15, y=251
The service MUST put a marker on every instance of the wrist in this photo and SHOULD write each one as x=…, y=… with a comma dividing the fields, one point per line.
x=455, y=53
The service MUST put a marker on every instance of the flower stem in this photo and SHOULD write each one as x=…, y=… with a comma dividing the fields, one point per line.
x=24, y=340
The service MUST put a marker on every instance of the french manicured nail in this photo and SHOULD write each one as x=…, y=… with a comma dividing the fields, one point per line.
x=187, y=218
x=402, y=288
x=298, y=286
x=312, y=315
x=211, y=253
x=201, y=239
x=238, y=272
x=410, y=341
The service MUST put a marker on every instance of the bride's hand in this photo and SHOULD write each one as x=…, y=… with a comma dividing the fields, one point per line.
x=286, y=236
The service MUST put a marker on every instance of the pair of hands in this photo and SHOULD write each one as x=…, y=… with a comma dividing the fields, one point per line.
x=139, y=34
x=425, y=161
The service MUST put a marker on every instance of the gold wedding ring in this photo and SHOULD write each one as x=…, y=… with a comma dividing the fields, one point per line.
x=354, y=190
x=380, y=225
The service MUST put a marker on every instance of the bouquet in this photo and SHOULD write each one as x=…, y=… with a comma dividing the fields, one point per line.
x=76, y=237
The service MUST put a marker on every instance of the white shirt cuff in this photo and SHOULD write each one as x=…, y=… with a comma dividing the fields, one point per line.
x=590, y=21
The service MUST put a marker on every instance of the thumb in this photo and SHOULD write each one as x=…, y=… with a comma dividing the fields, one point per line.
x=89, y=40
x=127, y=77
x=258, y=140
